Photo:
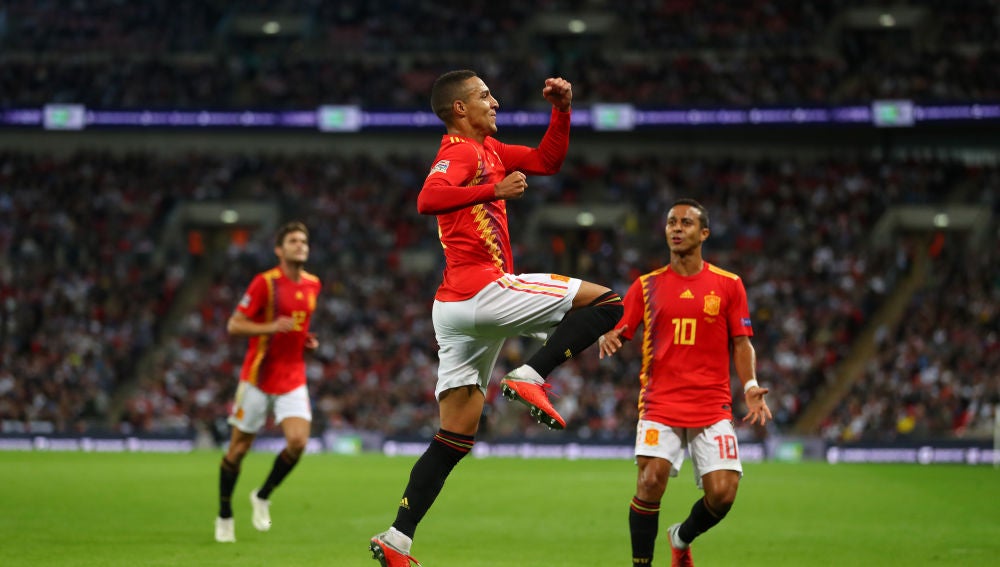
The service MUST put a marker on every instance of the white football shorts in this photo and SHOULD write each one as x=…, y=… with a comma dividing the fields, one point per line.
x=252, y=404
x=712, y=448
x=471, y=333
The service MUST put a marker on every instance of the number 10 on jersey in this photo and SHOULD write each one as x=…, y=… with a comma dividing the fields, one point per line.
x=684, y=331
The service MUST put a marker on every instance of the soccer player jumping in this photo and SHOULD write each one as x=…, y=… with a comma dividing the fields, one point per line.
x=275, y=313
x=692, y=311
x=480, y=302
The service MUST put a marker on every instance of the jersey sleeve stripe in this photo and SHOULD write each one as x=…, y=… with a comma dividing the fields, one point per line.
x=721, y=272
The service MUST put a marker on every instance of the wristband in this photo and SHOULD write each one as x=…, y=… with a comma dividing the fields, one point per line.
x=750, y=384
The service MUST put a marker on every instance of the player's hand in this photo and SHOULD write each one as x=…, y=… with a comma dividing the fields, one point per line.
x=284, y=324
x=512, y=186
x=610, y=342
x=559, y=92
x=757, y=411
x=312, y=343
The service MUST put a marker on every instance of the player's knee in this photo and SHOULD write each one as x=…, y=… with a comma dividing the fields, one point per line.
x=652, y=481
x=297, y=445
x=721, y=500
x=650, y=488
x=237, y=450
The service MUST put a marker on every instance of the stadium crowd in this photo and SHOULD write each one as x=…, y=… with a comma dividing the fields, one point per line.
x=81, y=292
x=796, y=230
x=939, y=371
x=86, y=280
x=197, y=55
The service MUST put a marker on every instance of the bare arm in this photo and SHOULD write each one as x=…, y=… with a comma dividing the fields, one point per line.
x=745, y=359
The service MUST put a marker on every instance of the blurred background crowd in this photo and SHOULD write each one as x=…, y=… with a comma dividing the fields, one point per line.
x=113, y=318
x=386, y=53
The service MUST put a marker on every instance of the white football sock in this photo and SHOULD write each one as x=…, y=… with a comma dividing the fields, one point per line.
x=399, y=540
x=527, y=374
x=675, y=539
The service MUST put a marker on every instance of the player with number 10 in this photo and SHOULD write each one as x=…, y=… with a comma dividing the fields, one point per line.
x=692, y=312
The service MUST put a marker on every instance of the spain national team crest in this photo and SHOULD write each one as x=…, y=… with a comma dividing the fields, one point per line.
x=652, y=437
x=712, y=304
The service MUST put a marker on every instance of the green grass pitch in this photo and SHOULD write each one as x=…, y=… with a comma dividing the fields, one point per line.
x=78, y=509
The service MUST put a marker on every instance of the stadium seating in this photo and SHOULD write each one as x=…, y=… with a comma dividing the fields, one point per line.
x=803, y=254
x=81, y=286
x=201, y=54
x=86, y=279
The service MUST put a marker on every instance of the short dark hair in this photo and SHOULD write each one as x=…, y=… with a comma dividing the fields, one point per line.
x=446, y=90
x=702, y=211
x=288, y=228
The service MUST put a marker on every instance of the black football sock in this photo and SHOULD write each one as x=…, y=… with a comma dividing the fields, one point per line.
x=577, y=331
x=428, y=476
x=283, y=464
x=228, y=473
x=700, y=520
x=643, y=524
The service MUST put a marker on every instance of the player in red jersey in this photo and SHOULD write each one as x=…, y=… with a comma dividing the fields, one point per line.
x=480, y=302
x=275, y=313
x=692, y=313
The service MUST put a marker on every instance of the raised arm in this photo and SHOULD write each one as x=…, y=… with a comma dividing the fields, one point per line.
x=548, y=157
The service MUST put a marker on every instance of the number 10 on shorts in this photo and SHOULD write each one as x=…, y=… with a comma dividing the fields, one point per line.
x=727, y=446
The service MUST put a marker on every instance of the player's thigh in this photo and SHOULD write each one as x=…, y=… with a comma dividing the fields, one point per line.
x=296, y=431
x=293, y=404
x=464, y=359
x=587, y=293
x=293, y=412
x=250, y=407
x=462, y=409
x=714, y=448
x=466, y=363
x=661, y=441
x=525, y=304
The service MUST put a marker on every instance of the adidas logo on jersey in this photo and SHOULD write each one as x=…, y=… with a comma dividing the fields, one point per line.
x=687, y=294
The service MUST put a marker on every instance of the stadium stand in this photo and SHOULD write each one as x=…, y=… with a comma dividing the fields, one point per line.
x=809, y=298
x=103, y=328
x=82, y=284
x=211, y=54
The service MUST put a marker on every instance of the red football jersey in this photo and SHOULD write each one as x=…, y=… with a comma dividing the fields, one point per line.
x=689, y=321
x=472, y=224
x=275, y=363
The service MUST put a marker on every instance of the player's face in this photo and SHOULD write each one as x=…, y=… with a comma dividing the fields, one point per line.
x=684, y=230
x=480, y=107
x=294, y=248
